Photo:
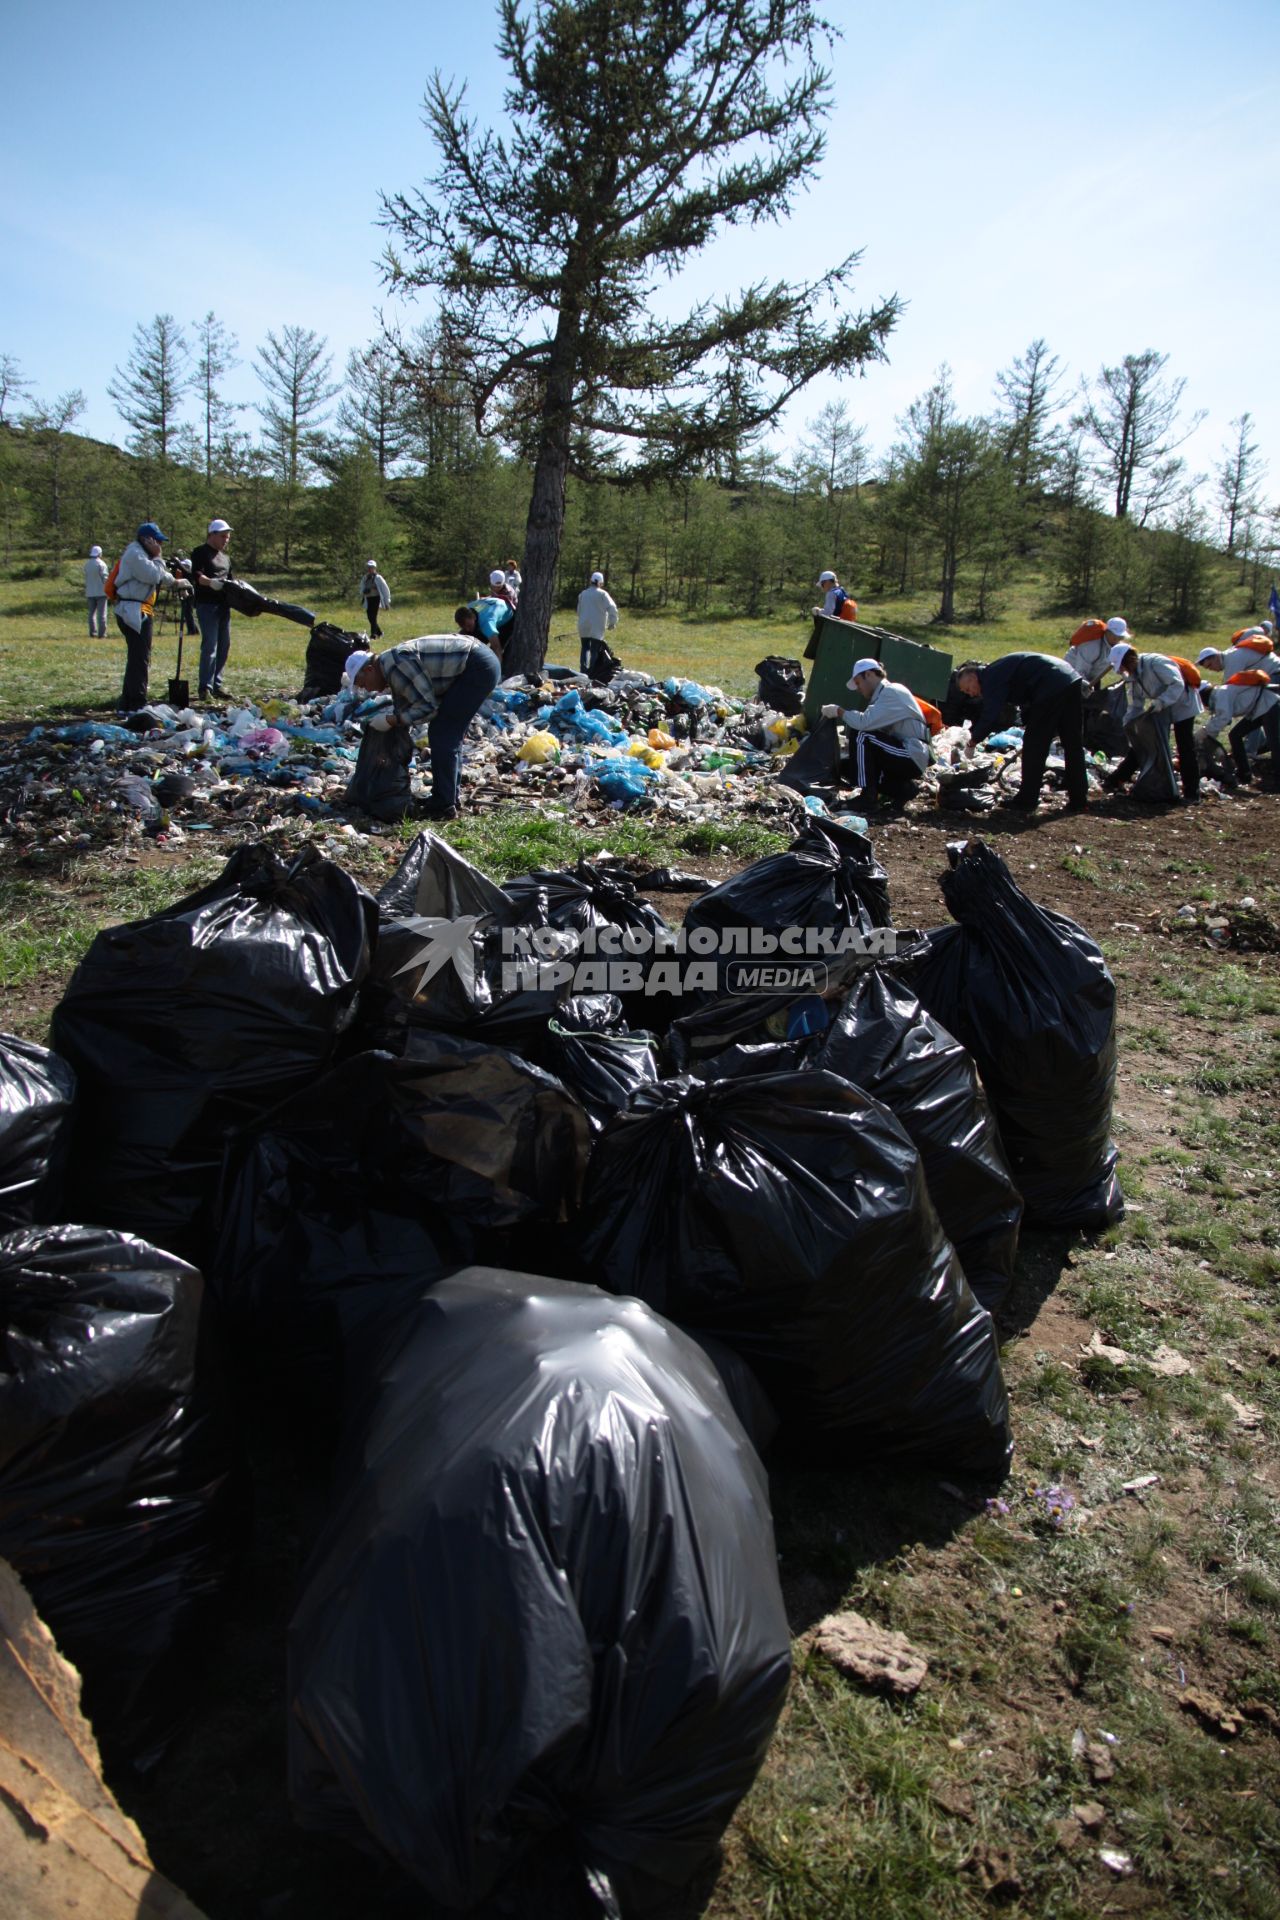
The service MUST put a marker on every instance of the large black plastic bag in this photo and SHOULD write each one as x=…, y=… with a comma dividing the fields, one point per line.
x=117, y=1500
x=199, y=1020
x=780, y=683
x=443, y=961
x=598, y=1058
x=828, y=880
x=36, y=1092
x=886, y=1043
x=1028, y=993
x=583, y=903
x=546, y=1604
x=815, y=765
x=788, y=1216
x=386, y=1173
x=380, y=785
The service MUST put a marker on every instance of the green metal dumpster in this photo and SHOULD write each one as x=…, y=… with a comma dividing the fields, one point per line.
x=836, y=644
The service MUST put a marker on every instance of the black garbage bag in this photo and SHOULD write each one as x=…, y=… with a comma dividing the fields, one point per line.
x=828, y=882
x=886, y=1043
x=597, y=1056
x=447, y=961
x=610, y=925
x=1028, y=993
x=382, y=1176
x=1104, y=710
x=754, y=1022
x=243, y=598
x=604, y=664
x=1148, y=737
x=199, y=1020
x=328, y=651
x=36, y=1092
x=380, y=785
x=788, y=1216
x=780, y=683
x=815, y=765
x=546, y=1609
x=119, y=1504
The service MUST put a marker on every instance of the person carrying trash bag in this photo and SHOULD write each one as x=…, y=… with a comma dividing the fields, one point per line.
x=1050, y=696
x=1157, y=696
x=890, y=738
x=439, y=681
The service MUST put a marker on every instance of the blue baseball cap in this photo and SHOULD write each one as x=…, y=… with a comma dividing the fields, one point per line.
x=150, y=531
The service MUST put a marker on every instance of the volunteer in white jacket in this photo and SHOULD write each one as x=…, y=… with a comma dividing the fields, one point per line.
x=1242, y=710
x=1157, y=691
x=95, y=593
x=376, y=595
x=890, y=739
x=597, y=615
x=1091, y=658
x=140, y=572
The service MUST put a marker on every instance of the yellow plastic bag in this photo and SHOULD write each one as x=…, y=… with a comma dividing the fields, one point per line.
x=538, y=749
x=662, y=741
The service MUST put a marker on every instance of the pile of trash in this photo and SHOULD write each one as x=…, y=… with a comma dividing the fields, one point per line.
x=541, y=1223
x=564, y=746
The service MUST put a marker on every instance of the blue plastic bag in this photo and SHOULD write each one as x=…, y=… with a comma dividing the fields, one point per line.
x=625, y=780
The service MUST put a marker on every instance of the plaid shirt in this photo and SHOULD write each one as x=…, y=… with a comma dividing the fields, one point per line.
x=420, y=672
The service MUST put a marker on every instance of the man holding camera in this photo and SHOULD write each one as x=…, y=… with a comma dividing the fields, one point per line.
x=140, y=572
x=210, y=569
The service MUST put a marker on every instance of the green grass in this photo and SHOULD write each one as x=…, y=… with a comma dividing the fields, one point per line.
x=49, y=667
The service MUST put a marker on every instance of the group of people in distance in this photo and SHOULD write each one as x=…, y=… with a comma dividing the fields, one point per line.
x=890, y=735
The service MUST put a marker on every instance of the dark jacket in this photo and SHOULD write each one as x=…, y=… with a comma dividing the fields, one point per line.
x=1028, y=681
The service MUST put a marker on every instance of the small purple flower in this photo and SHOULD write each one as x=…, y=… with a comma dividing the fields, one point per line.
x=1056, y=1501
x=997, y=1506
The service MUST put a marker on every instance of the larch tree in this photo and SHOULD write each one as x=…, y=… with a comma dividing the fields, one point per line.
x=294, y=370
x=215, y=359
x=1238, y=478
x=14, y=386
x=148, y=391
x=1029, y=397
x=1131, y=411
x=635, y=131
x=371, y=411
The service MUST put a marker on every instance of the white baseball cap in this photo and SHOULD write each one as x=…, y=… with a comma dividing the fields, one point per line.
x=1208, y=653
x=370, y=563
x=1119, y=654
x=1119, y=627
x=354, y=662
x=823, y=577
x=219, y=526
x=597, y=579
x=95, y=553
x=497, y=578
x=866, y=666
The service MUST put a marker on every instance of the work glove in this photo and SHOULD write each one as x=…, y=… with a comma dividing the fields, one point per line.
x=832, y=713
x=382, y=722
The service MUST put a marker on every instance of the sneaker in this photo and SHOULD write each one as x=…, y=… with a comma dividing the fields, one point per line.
x=1020, y=805
x=1076, y=806
x=432, y=812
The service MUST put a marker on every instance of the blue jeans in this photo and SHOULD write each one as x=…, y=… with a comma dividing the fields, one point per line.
x=458, y=708
x=215, y=640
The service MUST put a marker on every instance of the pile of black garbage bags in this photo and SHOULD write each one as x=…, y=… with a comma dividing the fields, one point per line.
x=547, y=1270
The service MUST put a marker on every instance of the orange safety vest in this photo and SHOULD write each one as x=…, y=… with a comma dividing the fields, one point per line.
x=1091, y=630
x=1191, y=676
x=932, y=718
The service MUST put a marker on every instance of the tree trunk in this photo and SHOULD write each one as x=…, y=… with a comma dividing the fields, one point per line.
x=527, y=648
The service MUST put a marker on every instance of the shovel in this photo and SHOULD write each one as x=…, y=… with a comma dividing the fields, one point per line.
x=179, y=689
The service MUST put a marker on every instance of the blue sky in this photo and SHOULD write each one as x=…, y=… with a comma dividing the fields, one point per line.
x=1101, y=175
